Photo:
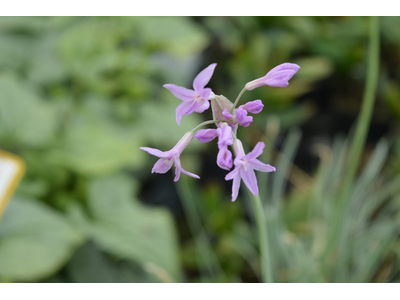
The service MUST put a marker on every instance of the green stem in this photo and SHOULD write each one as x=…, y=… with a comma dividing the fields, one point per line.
x=358, y=141
x=237, y=100
x=366, y=109
x=265, y=255
x=206, y=123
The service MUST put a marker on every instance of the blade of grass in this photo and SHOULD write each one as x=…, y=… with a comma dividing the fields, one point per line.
x=366, y=111
x=203, y=245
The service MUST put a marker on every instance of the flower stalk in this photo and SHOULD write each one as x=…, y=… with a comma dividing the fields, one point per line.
x=265, y=253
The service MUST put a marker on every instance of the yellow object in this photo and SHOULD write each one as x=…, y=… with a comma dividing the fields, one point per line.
x=12, y=169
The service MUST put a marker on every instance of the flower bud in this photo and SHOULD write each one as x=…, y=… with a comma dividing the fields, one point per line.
x=253, y=107
x=206, y=135
x=278, y=77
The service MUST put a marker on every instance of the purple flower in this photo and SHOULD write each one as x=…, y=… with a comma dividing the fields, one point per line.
x=206, y=135
x=224, y=158
x=170, y=157
x=240, y=117
x=253, y=107
x=278, y=76
x=224, y=133
x=195, y=100
x=245, y=166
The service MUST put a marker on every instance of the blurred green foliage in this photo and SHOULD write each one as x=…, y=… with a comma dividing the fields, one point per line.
x=80, y=95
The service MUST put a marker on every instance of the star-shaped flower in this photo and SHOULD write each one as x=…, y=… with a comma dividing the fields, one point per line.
x=170, y=157
x=195, y=100
x=245, y=166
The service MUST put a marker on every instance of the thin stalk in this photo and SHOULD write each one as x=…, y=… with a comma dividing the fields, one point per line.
x=203, y=245
x=265, y=254
x=237, y=100
x=366, y=109
x=358, y=142
x=206, y=123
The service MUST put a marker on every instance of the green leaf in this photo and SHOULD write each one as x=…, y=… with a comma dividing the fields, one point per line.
x=94, y=144
x=35, y=241
x=176, y=35
x=90, y=264
x=25, y=120
x=124, y=227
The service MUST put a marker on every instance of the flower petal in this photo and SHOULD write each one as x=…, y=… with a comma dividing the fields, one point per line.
x=179, y=169
x=256, y=152
x=250, y=179
x=162, y=166
x=253, y=107
x=206, y=135
x=203, y=78
x=280, y=75
x=224, y=158
x=205, y=93
x=180, y=92
x=155, y=152
x=260, y=166
x=236, y=182
x=185, y=108
x=202, y=105
x=225, y=137
x=227, y=115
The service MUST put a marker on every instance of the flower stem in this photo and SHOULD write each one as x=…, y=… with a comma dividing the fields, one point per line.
x=206, y=123
x=265, y=254
x=237, y=100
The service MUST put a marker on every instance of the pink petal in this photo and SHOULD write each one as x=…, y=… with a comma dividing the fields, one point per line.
x=253, y=107
x=226, y=114
x=277, y=77
x=236, y=182
x=202, y=105
x=205, y=93
x=250, y=179
x=256, y=152
x=260, y=166
x=179, y=169
x=185, y=108
x=180, y=92
x=280, y=75
x=203, y=78
x=206, y=135
x=224, y=159
x=225, y=137
x=162, y=166
x=155, y=152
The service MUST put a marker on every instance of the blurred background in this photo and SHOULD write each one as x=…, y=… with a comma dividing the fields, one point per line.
x=80, y=95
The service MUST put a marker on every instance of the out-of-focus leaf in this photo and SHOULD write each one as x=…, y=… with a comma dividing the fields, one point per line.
x=314, y=68
x=45, y=65
x=175, y=35
x=90, y=265
x=25, y=120
x=35, y=241
x=124, y=227
x=94, y=144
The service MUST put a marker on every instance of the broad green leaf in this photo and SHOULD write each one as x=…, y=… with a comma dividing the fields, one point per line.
x=25, y=119
x=176, y=35
x=90, y=264
x=122, y=226
x=94, y=144
x=35, y=241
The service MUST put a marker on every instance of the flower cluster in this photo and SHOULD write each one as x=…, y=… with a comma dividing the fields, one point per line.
x=227, y=118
